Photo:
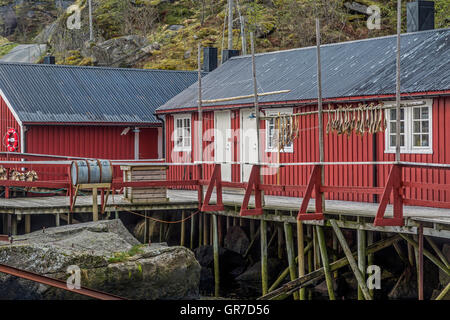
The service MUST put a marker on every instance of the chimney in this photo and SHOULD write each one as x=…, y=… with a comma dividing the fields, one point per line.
x=209, y=59
x=228, y=53
x=49, y=60
x=420, y=16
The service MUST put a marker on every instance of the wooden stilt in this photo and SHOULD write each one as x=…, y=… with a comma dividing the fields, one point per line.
x=351, y=260
x=94, y=205
x=427, y=253
x=310, y=257
x=361, y=242
x=416, y=255
x=290, y=253
x=444, y=292
x=411, y=254
x=301, y=256
x=438, y=252
x=191, y=244
x=183, y=228
x=325, y=262
x=5, y=223
x=27, y=223
x=216, y=256
x=420, y=275
x=211, y=233
x=57, y=220
x=200, y=229
x=161, y=232
x=335, y=250
x=234, y=222
x=280, y=242
x=264, y=271
x=14, y=225
x=9, y=223
x=147, y=229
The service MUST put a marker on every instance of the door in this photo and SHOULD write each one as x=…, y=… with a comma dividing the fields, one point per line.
x=148, y=143
x=222, y=142
x=249, y=147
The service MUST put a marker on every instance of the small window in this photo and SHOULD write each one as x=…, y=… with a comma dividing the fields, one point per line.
x=182, y=133
x=415, y=129
x=272, y=134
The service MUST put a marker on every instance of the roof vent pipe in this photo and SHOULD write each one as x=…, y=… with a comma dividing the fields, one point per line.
x=49, y=60
x=227, y=54
x=209, y=59
x=420, y=16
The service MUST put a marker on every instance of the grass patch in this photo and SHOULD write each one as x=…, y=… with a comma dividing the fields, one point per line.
x=124, y=256
x=6, y=48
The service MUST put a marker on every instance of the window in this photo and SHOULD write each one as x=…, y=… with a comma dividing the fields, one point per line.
x=272, y=134
x=415, y=128
x=182, y=133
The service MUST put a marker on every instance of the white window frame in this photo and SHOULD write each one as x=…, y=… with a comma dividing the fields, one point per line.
x=274, y=112
x=182, y=117
x=409, y=145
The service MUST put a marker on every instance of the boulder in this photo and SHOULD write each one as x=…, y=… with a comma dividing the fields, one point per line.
x=236, y=240
x=110, y=259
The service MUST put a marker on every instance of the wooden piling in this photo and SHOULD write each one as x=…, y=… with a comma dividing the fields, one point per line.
x=14, y=225
x=94, y=205
x=315, y=249
x=280, y=242
x=57, y=219
x=5, y=223
x=290, y=252
x=444, y=292
x=351, y=259
x=264, y=271
x=361, y=243
x=183, y=228
x=420, y=275
x=310, y=231
x=325, y=262
x=216, y=256
x=27, y=223
x=438, y=252
x=191, y=244
x=301, y=256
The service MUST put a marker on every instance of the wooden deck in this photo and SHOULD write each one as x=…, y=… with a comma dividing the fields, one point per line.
x=355, y=215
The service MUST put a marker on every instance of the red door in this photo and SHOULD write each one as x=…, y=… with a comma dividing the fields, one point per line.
x=148, y=143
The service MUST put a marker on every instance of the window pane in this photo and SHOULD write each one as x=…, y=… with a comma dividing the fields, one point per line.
x=425, y=126
x=402, y=127
x=425, y=113
x=393, y=114
x=416, y=113
x=425, y=141
x=402, y=140
x=392, y=127
x=392, y=141
x=416, y=127
x=416, y=140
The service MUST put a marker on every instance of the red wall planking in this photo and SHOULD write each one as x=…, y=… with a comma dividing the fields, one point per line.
x=341, y=148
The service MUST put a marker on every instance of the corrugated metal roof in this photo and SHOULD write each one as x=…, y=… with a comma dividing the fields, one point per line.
x=54, y=93
x=349, y=69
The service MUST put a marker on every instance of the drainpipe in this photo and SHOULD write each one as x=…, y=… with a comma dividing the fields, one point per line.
x=136, y=143
x=22, y=138
x=163, y=122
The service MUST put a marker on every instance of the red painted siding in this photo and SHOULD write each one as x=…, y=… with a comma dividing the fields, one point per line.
x=340, y=148
x=7, y=121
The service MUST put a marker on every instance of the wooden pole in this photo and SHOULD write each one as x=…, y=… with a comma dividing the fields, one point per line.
x=351, y=260
x=310, y=231
x=410, y=254
x=420, y=275
x=361, y=239
x=145, y=227
x=280, y=242
x=315, y=249
x=301, y=256
x=183, y=229
x=94, y=205
x=57, y=219
x=325, y=262
x=191, y=244
x=14, y=225
x=264, y=271
x=243, y=35
x=27, y=223
x=202, y=224
x=216, y=256
x=290, y=253
x=320, y=110
x=397, y=91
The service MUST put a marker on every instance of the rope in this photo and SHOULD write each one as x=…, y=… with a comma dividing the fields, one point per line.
x=158, y=220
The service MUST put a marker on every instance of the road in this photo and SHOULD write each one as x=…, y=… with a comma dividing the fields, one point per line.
x=28, y=53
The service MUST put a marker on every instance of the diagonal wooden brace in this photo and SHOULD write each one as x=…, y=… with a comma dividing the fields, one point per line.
x=216, y=180
x=314, y=183
x=254, y=182
x=394, y=185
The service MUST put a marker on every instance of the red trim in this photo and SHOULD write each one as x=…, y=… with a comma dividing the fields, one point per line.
x=313, y=184
x=118, y=124
x=216, y=179
x=253, y=184
x=308, y=101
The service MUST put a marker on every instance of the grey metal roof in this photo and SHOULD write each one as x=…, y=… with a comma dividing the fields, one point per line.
x=53, y=93
x=349, y=69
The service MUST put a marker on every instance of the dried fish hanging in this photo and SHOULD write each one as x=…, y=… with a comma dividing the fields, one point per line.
x=287, y=127
x=362, y=119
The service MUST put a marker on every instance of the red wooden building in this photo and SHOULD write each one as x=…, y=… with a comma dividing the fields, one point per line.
x=353, y=72
x=94, y=112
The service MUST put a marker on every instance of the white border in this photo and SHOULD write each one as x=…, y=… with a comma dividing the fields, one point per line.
x=175, y=118
x=274, y=112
